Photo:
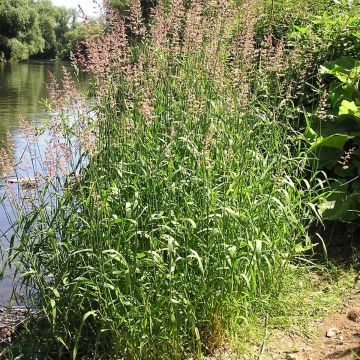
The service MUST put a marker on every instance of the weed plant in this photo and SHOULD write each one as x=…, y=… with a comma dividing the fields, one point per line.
x=194, y=199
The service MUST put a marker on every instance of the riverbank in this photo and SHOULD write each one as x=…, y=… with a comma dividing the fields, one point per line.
x=318, y=318
x=193, y=218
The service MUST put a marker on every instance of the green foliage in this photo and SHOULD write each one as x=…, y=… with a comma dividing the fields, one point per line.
x=123, y=6
x=35, y=29
x=76, y=35
x=332, y=32
x=19, y=25
x=197, y=200
x=189, y=213
x=335, y=139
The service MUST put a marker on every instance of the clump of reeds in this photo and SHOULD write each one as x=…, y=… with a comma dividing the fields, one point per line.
x=190, y=206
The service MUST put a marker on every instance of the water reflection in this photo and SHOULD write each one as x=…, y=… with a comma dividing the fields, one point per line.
x=23, y=93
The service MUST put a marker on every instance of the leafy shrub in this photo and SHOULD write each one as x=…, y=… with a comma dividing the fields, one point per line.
x=334, y=133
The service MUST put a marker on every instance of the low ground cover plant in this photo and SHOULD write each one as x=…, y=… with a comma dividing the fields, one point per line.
x=194, y=195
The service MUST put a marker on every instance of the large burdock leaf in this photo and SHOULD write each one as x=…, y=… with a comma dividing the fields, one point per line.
x=339, y=91
x=328, y=157
x=340, y=206
x=336, y=141
x=345, y=68
x=349, y=108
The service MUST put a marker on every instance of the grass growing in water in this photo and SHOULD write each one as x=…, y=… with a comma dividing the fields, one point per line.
x=192, y=206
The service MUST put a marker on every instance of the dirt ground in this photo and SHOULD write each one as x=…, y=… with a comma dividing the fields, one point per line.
x=337, y=336
x=334, y=336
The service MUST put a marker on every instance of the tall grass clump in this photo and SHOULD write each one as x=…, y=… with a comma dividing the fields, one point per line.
x=190, y=205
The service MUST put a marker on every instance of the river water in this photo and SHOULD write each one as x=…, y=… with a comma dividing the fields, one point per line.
x=23, y=93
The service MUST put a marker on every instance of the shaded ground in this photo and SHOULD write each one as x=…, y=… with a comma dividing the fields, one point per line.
x=11, y=321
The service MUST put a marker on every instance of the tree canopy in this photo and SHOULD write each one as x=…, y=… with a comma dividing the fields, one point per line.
x=36, y=29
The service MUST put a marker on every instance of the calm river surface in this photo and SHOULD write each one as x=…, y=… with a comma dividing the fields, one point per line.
x=22, y=93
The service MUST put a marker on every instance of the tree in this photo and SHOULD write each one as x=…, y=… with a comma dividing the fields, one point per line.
x=19, y=29
x=47, y=23
x=124, y=5
x=36, y=29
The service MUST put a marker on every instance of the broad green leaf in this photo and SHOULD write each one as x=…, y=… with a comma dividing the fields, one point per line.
x=349, y=108
x=339, y=91
x=340, y=206
x=342, y=68
x=328, y=157
x=356, y=187
x=355, y=73
x=337, y=125
x=345, y=171
x=336, y=141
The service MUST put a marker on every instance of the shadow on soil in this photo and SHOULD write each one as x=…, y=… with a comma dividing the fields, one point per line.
x=342, y=245
x=342, y=354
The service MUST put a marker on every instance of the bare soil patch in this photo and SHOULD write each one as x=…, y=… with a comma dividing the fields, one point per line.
x=337, y=336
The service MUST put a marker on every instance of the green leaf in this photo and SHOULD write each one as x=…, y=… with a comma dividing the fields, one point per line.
x=195, y=255
x=328, y=157
x=339, y=92
x=86, y=315
x=336, y=141
x=349, y=108
x=309, y=133
x=344, y=171
x=258, y=247
x=232, y=251
x=340, y=206
x=302, y=30
x=345, y=68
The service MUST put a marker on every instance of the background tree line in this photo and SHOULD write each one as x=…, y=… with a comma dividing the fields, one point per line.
x=39, y=30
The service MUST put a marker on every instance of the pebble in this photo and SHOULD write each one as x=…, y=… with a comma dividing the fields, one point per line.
x=332, y=332
x=340, y=340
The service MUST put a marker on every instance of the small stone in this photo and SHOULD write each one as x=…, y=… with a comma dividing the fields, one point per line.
x=332, y=332
x=340, y=340
x=354, y=315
